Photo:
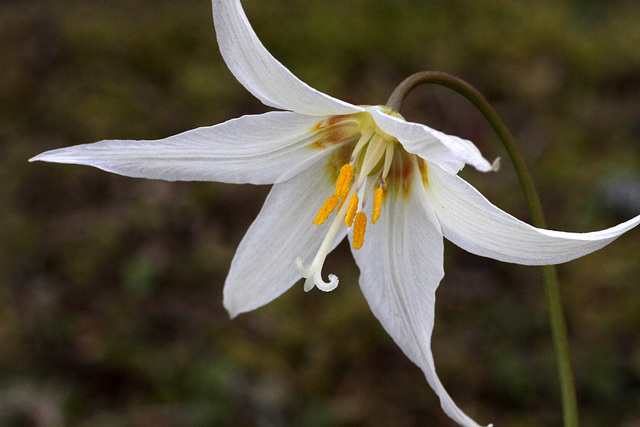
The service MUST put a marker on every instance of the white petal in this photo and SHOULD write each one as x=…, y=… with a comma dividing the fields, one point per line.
x=260, y=149
x=264, y=264
x=450, y=152
x=470, y=221
x=261, y=73
x=401, y=267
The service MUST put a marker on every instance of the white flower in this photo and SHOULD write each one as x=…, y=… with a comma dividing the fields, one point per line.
x=337, y=170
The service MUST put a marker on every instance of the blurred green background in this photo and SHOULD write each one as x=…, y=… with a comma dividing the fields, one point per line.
x=111, y=288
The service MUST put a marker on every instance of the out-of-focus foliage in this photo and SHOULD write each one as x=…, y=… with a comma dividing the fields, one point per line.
x=110, y=287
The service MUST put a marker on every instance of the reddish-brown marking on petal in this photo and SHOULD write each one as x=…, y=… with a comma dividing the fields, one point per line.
x=329, y=121
x=406, y=172
x=400, y=178
x=334, y=130
x=424, y=171
x=407, y=182
x=338, y=158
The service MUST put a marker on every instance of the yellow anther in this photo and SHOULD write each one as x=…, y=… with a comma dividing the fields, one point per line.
x=344, y=180
x=326, y=210
x=358, y=230
x=377, y=205
x=351, y=212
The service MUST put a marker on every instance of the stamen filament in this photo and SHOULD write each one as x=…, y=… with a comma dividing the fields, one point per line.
x=374, y=153
x=388, y=158
x=364, y=139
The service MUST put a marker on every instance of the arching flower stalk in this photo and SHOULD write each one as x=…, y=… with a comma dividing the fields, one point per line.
x=340, y=170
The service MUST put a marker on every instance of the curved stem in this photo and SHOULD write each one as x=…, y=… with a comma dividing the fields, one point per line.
x=549, y=272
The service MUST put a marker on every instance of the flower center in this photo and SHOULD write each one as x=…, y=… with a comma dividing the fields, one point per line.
x=364, y=175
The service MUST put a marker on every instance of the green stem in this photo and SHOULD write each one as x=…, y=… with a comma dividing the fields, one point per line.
x=549, y=273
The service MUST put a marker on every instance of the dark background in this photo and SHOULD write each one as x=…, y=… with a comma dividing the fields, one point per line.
x=111, y=288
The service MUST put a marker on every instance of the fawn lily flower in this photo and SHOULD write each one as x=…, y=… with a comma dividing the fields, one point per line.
x=340, y=170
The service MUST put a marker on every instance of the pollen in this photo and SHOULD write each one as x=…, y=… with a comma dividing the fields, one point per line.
x=351, y=212
x=358, y=230
x=344, y=180
x=377, y=205
x=326, y=210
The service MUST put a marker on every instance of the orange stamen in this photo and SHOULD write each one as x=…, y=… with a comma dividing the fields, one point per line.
x=358, y=230
x=344, y=179
x=377, y=205
x=351, y=212
x=326, y=210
